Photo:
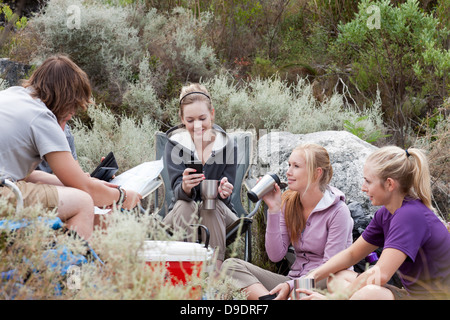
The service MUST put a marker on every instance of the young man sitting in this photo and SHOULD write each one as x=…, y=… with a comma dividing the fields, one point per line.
x=33, y=117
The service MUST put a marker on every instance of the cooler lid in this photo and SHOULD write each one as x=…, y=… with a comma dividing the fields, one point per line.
x=175, y=251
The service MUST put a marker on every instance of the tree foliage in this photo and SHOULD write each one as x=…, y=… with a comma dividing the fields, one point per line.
x=404, y=55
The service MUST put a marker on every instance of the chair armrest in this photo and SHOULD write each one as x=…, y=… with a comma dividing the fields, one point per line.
x=255, y=210
x=15, y=190
x=153, y=186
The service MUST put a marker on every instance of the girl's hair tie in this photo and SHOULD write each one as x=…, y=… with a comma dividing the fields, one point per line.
x=407, y=153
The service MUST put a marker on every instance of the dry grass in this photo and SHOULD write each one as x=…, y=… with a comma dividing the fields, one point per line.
x=123, y=275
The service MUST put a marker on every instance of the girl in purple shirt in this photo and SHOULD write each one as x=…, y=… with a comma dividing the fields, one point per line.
x=311, y=215
x=415, y=242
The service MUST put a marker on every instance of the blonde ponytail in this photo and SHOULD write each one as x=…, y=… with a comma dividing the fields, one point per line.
x=293, y=214
x=422, y=181
x=408, y=167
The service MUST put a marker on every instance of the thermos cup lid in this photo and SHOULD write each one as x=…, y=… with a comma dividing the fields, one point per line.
x=372, y=257
x=276, y=178
x=252, y=196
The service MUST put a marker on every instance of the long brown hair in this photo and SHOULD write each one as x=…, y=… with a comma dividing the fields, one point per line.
x=315, y=157
x=61, y=85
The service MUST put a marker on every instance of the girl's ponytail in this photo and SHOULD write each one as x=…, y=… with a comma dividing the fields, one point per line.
x=293, y=214
x=421, y=173
x=409, y=167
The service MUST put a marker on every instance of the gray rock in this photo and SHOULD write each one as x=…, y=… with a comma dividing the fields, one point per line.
x=12, y=71
x=347, y=155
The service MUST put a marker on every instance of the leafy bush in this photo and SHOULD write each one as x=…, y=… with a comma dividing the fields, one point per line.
x=141, y=98
x=360, y=131
x=273, y=104
x=178, y=40
x=236, y=27
x=401, y=49
x=113, y=44
x=132, y=141
x=88, y=33
x=436, y=140
x=10, y=22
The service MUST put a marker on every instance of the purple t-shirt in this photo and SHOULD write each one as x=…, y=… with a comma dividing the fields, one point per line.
x=416, y=231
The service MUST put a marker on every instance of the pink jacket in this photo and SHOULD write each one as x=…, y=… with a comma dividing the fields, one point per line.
x=328, y=231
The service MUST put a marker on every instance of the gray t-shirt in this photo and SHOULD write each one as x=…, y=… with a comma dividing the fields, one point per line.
x=29, y=131
x=44, y=166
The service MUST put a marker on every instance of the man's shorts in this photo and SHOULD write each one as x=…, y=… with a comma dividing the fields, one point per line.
x=32, y=193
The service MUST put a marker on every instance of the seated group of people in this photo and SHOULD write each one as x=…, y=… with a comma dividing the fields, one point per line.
x=311, y=215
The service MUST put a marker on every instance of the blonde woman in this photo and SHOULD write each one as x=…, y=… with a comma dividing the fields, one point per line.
x=198, y=139
x=415, y=242
x=311, y=215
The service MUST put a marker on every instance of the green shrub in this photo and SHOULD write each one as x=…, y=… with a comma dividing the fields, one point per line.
x=98, y=37
x=178, y=40
x=10, y=22
x=141, y=98
x=273, y=104
x=132, y=141
x=262, y=68
x=360, y=131
x=113, y=44
x=402, y=50
x=435, y=139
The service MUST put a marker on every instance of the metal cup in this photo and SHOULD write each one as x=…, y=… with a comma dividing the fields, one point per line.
x=302, y=283
x=209, y=190
x=263, y=187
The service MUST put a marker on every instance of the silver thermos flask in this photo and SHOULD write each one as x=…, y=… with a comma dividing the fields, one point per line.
x=263, y=186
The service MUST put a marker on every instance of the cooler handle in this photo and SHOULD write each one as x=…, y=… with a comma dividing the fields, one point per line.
x=206, y=232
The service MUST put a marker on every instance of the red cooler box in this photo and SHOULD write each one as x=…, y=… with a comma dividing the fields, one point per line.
x=181, y=259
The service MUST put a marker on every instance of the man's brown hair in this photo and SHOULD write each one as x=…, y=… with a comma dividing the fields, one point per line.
x=61, y=85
